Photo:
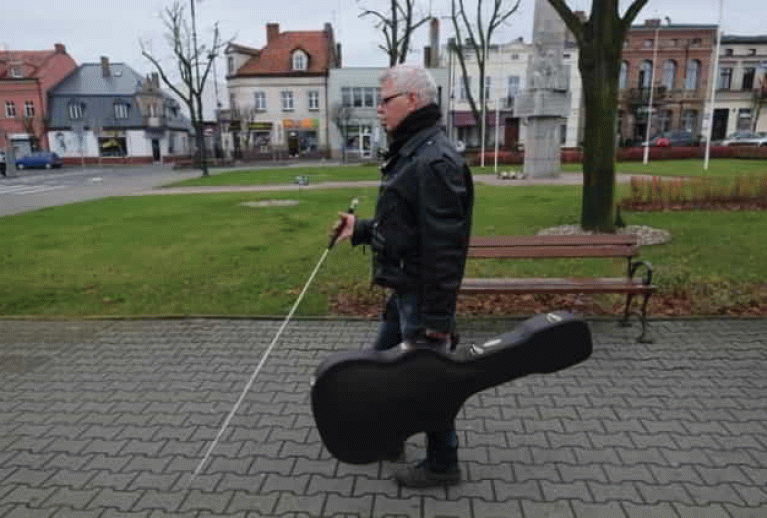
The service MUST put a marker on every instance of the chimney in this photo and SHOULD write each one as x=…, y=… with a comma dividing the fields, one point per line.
x=338, y=55
x=427, y=57
x=156, y=80
x=434, y=43
x=60, y=48
x=652, y=22
x=105, y=66
x=272, y=31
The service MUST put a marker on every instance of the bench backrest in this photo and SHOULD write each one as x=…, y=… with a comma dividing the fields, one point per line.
x=522, y=247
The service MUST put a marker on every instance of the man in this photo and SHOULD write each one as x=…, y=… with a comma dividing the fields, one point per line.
x=419, y=237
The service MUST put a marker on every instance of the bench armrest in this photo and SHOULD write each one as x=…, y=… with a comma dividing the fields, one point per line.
x=648, y=270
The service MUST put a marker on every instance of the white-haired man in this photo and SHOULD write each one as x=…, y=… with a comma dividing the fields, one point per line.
x=419, y=237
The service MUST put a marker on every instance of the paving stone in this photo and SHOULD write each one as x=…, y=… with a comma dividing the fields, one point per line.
x=662, y=510
x=695, y=511
x=559, y=509
x=591, y=510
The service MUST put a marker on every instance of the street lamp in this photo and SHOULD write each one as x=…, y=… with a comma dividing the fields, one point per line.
x=710, y=110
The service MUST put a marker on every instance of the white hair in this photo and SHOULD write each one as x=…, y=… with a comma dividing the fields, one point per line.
x=412, y=79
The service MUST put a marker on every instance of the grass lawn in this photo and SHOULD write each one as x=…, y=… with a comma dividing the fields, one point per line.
x=209, y=254
x=287, y=175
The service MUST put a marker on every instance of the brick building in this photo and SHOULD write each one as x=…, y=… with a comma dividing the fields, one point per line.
x=25, y=78
x=675, y=60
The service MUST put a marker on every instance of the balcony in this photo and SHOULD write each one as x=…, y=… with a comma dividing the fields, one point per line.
x=642, y=95
x=155, y=121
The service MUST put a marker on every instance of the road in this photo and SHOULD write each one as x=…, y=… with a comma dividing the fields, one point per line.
x=32, y=189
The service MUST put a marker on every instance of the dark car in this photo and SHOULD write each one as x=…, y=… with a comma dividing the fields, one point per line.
x=38, y=159
x=675, y=138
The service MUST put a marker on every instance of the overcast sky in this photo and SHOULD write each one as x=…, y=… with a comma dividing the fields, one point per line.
x=93, y=28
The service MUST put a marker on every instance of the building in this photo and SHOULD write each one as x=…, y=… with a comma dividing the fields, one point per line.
x=107, y=112
x=741, y=88
x=672, y=64
x=506, y=75
x=278, y=95
x=26, y=76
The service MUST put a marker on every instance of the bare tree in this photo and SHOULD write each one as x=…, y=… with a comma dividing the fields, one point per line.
x=472, y=37
x=397, y=25
x=188, y=56
x=600, y=40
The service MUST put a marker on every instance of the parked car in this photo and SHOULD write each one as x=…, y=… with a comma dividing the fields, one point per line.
x=674, y=138
x=746, y=138
x=39, y=159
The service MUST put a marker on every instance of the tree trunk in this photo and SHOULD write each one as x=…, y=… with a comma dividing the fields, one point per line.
x=599, y=75
x=201, y=137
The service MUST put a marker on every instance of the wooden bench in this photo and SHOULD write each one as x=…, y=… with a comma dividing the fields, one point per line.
x=560, y=247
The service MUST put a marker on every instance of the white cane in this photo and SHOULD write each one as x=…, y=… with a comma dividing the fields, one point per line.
x=236, y=406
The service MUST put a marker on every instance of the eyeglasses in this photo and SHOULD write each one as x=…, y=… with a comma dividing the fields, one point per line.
x=386, y=100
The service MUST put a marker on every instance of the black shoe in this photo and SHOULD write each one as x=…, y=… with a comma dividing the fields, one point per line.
x=420, y=475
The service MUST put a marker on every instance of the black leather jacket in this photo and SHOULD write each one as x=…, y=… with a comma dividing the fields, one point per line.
x=422, y=224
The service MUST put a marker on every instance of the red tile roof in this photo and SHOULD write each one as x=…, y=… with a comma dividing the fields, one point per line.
x=275, y=57
x=32, y=61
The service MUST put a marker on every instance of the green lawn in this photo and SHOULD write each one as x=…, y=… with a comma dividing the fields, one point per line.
x=209, y=254
x=287, y=175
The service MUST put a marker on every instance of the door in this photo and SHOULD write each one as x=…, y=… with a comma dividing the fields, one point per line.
x=511, y=133
x=719, y=129
x=156, y=150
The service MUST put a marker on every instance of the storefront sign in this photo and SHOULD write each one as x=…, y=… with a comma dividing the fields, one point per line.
x=288, y=123
x=309, y=123
x=260, y=126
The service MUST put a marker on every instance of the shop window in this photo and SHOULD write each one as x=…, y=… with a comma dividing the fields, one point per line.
x=112, y=146
x=744, y=119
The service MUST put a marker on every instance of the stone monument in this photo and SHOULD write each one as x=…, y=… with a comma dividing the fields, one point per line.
x=545, y=101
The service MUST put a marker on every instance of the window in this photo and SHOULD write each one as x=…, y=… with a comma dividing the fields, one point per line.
x=121, y=110
x=725, y=78
x=690, y=120
x=664, y=120
x=287, y=101
x=691, y=78
x=645, y=73
x=314, y=100
x=357, y=97
x=259, y=101
x=370, y=97
x=669, y=74
x=16, y=72
x=346, y=96
x=744, y=119
x=512, y=86
x=152, y=110
x=299, y=60
x=622, y=75
x=75, y=111
x=29, y=109
x=232, y=104
x=752, y=52
x=728, y=52
x=748, y=78
x=10, y=109
x=463, y=89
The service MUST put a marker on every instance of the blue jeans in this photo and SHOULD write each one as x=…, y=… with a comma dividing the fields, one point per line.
x=401, y=321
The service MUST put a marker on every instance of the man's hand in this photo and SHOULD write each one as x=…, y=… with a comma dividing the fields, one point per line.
x=344, y=228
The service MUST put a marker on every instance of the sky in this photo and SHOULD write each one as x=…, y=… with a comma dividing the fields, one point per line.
x=96, y=28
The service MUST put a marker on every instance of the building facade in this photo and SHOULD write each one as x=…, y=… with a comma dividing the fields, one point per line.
x=670, y=65
x=741, y=86
x=26, y=76
x=107, y=112
x=505, y=77
x=278, y=95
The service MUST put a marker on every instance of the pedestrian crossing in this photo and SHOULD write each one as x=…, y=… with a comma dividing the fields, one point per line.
x=21, y=188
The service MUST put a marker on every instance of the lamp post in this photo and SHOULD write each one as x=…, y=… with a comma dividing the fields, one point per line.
x=198, y=86
x=709, y=117
x=650, y=99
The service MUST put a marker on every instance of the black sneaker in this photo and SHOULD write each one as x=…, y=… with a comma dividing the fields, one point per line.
x=420, y=475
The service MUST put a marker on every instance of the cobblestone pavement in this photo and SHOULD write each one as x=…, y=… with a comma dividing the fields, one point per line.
x=109, y=418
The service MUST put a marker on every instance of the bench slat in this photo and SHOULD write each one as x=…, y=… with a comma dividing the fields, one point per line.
x=553, y=285
x=554, y=251
x=574, y=240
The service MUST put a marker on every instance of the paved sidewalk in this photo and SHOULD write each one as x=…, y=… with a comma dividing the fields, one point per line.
x=109, y=418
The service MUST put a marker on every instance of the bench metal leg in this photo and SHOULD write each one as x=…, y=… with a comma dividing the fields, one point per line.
x=624, y=322
x=643, y=338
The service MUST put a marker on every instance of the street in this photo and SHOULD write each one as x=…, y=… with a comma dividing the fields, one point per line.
x=35, y=189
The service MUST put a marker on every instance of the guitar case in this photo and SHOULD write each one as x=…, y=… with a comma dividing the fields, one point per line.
x=366, y=403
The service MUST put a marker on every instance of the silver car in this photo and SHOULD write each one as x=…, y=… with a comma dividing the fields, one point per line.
x=746, y=138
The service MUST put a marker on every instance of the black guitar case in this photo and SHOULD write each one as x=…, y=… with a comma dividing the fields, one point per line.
x=366, y=403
